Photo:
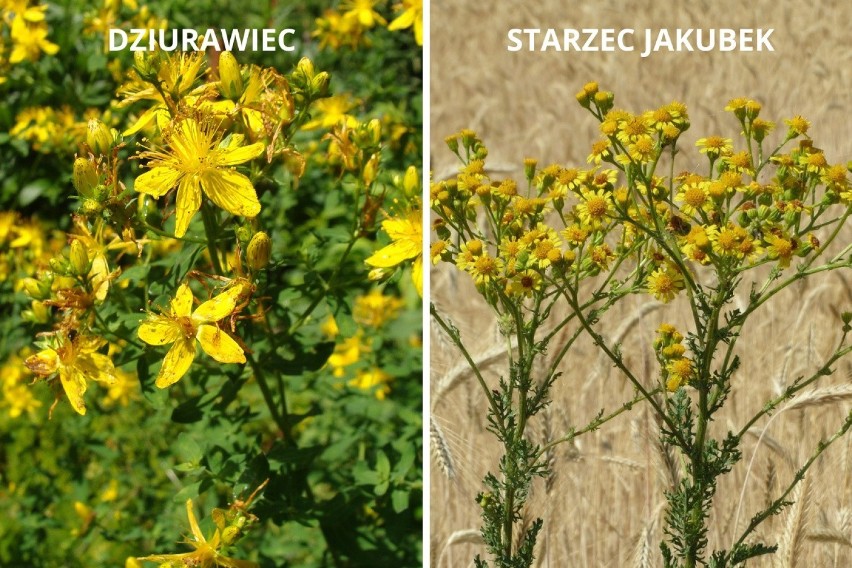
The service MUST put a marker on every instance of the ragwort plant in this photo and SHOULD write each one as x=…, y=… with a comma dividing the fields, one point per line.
x=240, y=278
x=759, y=218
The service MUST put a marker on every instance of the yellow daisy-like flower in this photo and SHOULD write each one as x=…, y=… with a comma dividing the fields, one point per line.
x=76, y=361
x=665, y=283
x=485, y=269
x=207, y=553
x=524, y=283
x=407, y=235
x=715, y=146
x=196, y=162
x=595, y=209
x=680, y=371
x=693, y=197
x=781, y=248
x=182, y=327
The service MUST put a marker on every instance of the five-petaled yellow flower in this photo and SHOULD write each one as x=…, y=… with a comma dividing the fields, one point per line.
x=207, y=553
x=182, y=327
x=407, y=235
x=197, y=161
x=76, y=361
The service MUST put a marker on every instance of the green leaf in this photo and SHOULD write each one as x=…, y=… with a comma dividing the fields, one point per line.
x=188, y=449
x=399, y=500
x=33, y=191
x=188, y=412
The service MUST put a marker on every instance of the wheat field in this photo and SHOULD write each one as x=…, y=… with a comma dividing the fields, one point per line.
x=603, y=505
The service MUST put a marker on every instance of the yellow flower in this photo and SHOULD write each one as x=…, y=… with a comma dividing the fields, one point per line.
x=362, y=11
x=665, y=283
x=375, y=378
x=182, y=327
x=595, y=209
x=17, y=395
x=347, y=353
x=76, y=361
x=207, y=553
x=412, y=16
x=715, y=146
x=680, y=371
x=176, y=75
x=375, y=309
x=196, y=161
x=407, y=235
x=332, y=111
x=30, y=41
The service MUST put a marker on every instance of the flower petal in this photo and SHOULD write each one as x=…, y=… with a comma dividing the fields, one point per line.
x=234, y=156
x=45, y=362
x=75, y=386
x=99, y=275
x=188, y=202
x=417, y=275
x=394, y=254
x=96, y=366
x=182, y=302
x=193, y=523
x=159, y=330
x=217, y=308
x=232, y=191
x=157, y=181
x=177, y=363
x=219, y=345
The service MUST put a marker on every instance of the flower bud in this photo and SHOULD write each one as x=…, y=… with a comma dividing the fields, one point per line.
x=98, y=137
x=411, y=182
x=319, y=83
x=230, y=80
x=305, y=67
x=85, y=177
x=375, y=129
x=144, y=65
x=257, y=253
x=78, y=259
x=38, y=289
x=371, y=170
x=529, y=168
x=90, y=207
x=59, y=265
x=452, y=143
x=230, y=535
x=38, y=313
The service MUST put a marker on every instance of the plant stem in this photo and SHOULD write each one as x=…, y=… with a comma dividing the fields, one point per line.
x=211, y=228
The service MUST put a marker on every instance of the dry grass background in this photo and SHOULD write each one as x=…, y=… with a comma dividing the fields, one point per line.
x=603, y=506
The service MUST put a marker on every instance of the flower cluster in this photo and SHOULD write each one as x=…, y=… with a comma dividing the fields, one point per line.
x=752, y=206
x=23, y=34
x=347, y=26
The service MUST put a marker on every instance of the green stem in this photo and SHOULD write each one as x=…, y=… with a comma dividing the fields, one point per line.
x=281, y=420
x=453, y=334
x=596, y=423
x=211, y=229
